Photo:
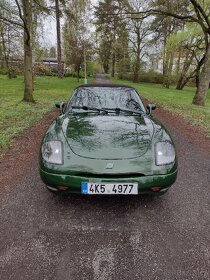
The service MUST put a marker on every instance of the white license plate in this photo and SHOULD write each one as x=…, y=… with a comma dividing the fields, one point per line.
x=109, y=188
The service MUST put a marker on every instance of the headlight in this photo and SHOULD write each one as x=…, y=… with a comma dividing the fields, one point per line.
x=164, y=153
x=52, y=152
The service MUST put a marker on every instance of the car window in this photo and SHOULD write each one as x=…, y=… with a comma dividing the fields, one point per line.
x=106, y=97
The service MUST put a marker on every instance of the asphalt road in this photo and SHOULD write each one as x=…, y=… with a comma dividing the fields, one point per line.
x=43, y=236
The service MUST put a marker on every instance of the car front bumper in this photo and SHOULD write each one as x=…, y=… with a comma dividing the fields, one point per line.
x=72, y=183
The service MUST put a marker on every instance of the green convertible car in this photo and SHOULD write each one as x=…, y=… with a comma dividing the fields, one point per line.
x=105, y=142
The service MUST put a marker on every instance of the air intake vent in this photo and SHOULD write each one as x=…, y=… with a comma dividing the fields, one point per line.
x=114, y=176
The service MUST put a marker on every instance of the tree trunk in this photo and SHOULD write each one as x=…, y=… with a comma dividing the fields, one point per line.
x=198, y=68
x=204, y=80
x=168, y=70
x=28, y=67
x=136, y=70
x=138, y=54
x=165, y=62
x=78, y=70
x=106, y=68
x=185, y=76
x=178, y=64
x=6, y=55
x=183, y=82
x=180, y=82
x=58, y=28
x=165, y=70
x=113, y=63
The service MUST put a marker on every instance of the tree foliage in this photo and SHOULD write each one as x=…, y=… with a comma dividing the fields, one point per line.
x=170, y=17
x=196, y=11
x=10, y=46
x=186, y=47
x=113, y=34
x=77, y=36
x=139, y=31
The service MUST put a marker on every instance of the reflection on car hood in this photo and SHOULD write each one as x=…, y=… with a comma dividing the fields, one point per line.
x=108, y=136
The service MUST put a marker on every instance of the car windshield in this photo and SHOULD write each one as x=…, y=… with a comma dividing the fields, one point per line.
x=123, y=98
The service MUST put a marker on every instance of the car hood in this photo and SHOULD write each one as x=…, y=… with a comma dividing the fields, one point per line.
x=108, y=136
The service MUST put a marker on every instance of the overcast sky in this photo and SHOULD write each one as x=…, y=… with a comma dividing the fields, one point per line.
x=48, y=34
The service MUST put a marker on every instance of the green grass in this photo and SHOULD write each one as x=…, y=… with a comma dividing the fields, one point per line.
x=15, y=115
x=178, y=102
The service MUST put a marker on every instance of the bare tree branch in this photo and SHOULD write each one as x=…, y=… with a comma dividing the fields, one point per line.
x=23, y=20
x=200, y=9
x=6, y=20
x=44, y=8
x=20, y=12
x=205, y=30
x=153, y=12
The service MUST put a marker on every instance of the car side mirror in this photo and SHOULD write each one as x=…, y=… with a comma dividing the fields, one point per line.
x=151, y=107
x=60, y=105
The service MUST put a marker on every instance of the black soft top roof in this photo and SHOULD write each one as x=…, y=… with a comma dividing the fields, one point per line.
x=105, y=85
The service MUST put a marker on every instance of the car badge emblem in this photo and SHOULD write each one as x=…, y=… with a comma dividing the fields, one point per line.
x=109, y=165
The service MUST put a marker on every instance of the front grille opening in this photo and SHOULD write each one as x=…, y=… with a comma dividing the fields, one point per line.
x=110, y=176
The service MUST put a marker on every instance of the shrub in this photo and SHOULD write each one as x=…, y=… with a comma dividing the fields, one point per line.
x=73, y=74
x=145, y=77
x=3, y=71
x=41, y=69
x=151, y=77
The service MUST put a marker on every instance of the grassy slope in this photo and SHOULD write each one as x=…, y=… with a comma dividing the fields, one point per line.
x=15, y=115
x=175, y=101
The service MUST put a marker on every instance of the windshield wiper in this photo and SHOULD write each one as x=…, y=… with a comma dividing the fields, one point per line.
x=85, y=108
x=118, y=110
x=106, y=110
